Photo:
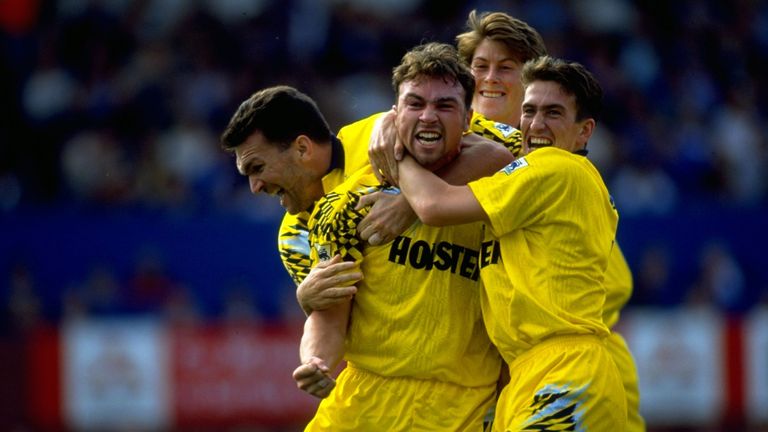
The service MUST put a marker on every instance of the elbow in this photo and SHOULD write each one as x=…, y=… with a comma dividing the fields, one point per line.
x=428, y=211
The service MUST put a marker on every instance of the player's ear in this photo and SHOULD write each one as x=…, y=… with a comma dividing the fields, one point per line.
x=468, y=121
x=585, y=132
x=303, y=146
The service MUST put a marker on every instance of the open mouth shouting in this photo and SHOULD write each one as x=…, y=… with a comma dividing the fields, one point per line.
x=278, y=192
x=538, y=142
x=428, y=138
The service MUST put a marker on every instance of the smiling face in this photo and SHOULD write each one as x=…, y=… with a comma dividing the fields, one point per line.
x=431, y=119
x=549, y=119
x=282, y=172
x=498, y=90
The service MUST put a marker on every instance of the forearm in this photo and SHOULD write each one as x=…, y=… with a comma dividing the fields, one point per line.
x=434, y=201
x=420, y=186
x=324, y=334
x=479, y=157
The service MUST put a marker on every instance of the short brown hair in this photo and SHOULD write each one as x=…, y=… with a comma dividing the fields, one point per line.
x=574, y=79
x=435, y=60
x=522, y=40
x=281, y=113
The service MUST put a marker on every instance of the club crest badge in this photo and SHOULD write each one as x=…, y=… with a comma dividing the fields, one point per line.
x=323, y=252
x=504, y=128
x=515, y=165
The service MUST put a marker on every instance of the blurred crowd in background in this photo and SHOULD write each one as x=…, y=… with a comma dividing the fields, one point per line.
x=117, y=105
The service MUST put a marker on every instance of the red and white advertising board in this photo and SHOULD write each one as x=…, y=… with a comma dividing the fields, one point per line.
x=115, y=375
x=129, y=374
x=234, y=375
x=756, y=365
x=679, y=356
x=696, y=368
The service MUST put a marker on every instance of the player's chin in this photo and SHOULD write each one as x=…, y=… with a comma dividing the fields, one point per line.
x=291, y=206
x=426, y=156
x=494, y=108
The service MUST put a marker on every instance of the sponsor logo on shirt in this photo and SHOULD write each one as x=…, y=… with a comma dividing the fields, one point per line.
x=442, y=255
x=490, y=252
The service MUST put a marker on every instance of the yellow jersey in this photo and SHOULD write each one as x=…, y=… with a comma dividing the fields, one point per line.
x=542, y=266
x=504, y=134
x=417, y=311
x=618, y=277
x=618, y=286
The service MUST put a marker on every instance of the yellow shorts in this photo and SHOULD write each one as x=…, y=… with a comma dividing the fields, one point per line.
x=621, y=355
x=363, y=401
x=563, y=383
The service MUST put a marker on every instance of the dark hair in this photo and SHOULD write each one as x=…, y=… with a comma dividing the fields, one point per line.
x=281, y=114
x=574, y=79
x=522, y=40
x=435, y=60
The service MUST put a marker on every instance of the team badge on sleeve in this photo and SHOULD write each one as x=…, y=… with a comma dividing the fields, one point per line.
x=515, y=165
x=323, y=252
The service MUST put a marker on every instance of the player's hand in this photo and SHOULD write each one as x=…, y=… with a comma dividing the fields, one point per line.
x=314, y=377
x=327, y=284
x=385, y=149
x=389, y=217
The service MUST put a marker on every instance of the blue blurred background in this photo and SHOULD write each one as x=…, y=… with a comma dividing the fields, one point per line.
x=115, y=198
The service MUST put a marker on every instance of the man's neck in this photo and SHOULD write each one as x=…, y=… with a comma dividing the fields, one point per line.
x=444, y=160
x=337, y=155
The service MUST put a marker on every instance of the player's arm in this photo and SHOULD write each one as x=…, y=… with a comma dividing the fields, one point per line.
x=332, y=237
x=436, y=202
x=384, y=150
x=322, y=348
x=322, y=343
x=390, y=215
x=479, y=157
x=328, y=284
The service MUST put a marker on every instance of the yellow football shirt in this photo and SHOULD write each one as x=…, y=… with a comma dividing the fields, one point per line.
x=292, y=243
x=618, y=278
x=618, y=286
x=552, y=228
x=417, y=311
x=504, y=134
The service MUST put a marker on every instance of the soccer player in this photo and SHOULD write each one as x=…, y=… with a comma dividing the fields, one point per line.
x=551, y=226
x=327, y=283
x=417, y=354
x=496, y=45
x=461, y=369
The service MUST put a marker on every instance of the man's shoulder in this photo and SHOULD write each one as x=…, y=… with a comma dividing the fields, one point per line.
x=554, y=155
x=356, y=129
x=355, y=138
x=362, y=178
x=545, y=162
x=294, y=222
x=502, y=133
x=339, y=203
x=334, y=220
x=561, y=166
